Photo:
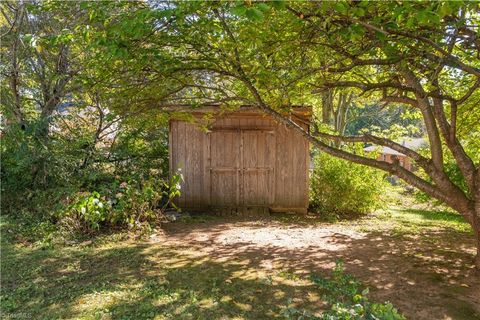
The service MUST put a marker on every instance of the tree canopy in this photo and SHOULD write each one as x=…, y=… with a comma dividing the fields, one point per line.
x=139, y=57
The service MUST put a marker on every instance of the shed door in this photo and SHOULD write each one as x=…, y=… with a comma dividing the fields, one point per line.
x=241, y=172
x=258, y=156
x=225, y=168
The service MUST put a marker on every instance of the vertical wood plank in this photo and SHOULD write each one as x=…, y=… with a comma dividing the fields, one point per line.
x=170, y=149
x=286, y=166
x=213, y=197
x=188, y=165
x=270, y=156
x=195, y=151
x=199, y=187
x=279, y=187
x=289, y=155
x=238, y=154
x=294, y=174
x=307, y=170
x=226, y=155
x=185, y=164
x=258, y=150
x=207, y=190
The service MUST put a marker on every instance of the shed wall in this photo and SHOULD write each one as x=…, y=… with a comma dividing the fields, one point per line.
x=277, y=147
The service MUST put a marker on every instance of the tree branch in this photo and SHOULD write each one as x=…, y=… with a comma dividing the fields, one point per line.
x=368, y=138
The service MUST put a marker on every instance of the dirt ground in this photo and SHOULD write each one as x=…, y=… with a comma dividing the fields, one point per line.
x=426, y=274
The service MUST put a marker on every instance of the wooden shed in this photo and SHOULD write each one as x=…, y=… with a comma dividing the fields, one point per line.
x=244, y=162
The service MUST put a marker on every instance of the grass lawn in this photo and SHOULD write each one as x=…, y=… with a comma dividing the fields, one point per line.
x=226, y=268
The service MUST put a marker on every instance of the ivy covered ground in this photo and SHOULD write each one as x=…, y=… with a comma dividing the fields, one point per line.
x=231, y=268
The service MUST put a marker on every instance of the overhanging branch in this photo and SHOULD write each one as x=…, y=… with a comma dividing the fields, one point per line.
x=368, y=138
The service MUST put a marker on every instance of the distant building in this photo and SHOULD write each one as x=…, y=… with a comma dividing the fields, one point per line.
x=387, y=154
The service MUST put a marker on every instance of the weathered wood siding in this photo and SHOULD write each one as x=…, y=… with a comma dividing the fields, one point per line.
x=244, y=161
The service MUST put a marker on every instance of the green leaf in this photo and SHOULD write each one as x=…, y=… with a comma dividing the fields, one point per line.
x=391, y=25
x=445, y=9
x=278, y=4
x=380, y=36
x=254, y=14
x=433, y=18
x=390, y=50
x=359, y=12
x=262, y=7
x=239, y=10
x=28, y=38
x=357, y=32
x=341, y=7
x=166, y=13
x=422, y=17
x=84, y=5
x=410, y=22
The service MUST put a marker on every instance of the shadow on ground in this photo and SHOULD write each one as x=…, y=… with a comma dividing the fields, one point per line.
x=241, y=269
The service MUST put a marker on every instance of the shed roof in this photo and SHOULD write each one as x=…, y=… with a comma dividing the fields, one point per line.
x=303, y=112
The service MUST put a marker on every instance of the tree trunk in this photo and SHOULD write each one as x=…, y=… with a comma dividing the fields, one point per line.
x=476, y=232
x=15, y=67
x=327, y=106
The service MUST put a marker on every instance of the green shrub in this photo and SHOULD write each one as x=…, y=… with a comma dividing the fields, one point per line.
x=92, y=209
x=134, y=204
x=69, y=179
x=345, y=301
x=339, y=187
x=30, y=163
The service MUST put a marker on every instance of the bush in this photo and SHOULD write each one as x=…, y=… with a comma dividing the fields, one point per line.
x=92, y=209
x=73, y=180
x=30, y=163
x=341, y=187
x=142, y=201
x=345, y=301
x=134, y=204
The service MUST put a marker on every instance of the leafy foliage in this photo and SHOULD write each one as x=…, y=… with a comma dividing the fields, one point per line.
x=339, y=187
x=372, y=118
x=346, y=302
x=134, y=204
x=75, y=181
x=92, y=209
x=111, y=62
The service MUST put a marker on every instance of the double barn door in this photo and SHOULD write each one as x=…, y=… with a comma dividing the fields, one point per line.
x=242, y=167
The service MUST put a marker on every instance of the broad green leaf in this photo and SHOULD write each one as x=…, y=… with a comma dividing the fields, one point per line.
x=277, y=4
x=262, y=7
x=341, y=7
x=254, y=14
x=239, y=10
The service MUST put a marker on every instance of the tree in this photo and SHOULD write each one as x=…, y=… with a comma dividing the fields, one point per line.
x=276, y=55
x=425, y=56
x=39, y=66
x=335, y=107
x=381, y=117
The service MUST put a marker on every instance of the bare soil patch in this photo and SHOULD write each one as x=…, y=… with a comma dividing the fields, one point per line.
x=426, y=275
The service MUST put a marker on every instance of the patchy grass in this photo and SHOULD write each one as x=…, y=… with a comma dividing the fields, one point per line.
x=211, y=268
x=407, y=221
x=137, y=280
x=427, y=219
